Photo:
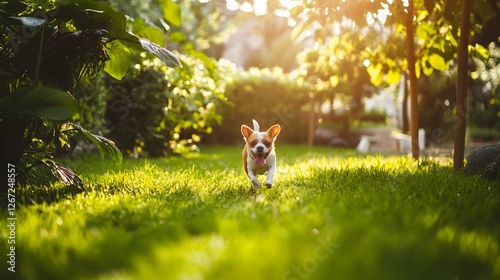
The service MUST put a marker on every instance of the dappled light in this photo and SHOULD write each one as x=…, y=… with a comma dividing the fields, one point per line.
x=250, y=139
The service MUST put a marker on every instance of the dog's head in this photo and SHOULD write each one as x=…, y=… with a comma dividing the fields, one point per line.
x=260, y=144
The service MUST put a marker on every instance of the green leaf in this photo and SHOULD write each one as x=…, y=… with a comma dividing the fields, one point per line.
x=171, y=12
x=481, y=52
x=424, y=31
x=119, y=60
x=177, y=37
x=418, y=70
x=68, y=177
x=41, y=101
x=104, y=145
x=450, y=37
x=421, y=15
x=393, y=76
x=375, y=72
x=132, y=41
x=28, y=21
x=437, y=62
x=149, y=32
x=163, y=54
x=89, y=14
x=427, y=68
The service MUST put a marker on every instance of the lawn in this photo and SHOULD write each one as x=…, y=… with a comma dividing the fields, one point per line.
x=332, y=214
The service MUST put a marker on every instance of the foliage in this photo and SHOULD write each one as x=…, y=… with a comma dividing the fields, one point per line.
x=44, y=54
x=335, y=70
x=485, y=96
x=481, y=134
x=437, y=33
x=267, y=95
x=179, y=107
x=92, y=94
x=157, y=111
x=436, y=110
x=331, y=214
x=436, y=30
x=204, y=28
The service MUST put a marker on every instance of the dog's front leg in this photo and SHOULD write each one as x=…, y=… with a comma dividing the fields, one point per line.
x=253, y=178
x=270, y=175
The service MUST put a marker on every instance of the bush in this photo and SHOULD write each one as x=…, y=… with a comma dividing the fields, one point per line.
x=268, y=96
x=375, y=116
x=156, y=111
x=92, y=94
x=483, y=134
x=436, y=107
x=484, y=102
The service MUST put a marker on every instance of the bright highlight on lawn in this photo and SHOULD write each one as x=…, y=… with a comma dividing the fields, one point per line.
x=331, y=214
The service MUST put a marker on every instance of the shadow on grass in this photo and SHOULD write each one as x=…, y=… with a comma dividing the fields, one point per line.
x=126, y=230
x=394, y=222
x=120, y=234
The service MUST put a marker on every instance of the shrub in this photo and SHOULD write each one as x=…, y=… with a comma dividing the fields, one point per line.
x=155, y=111
x=268, y=96
x=92, y=94
x=484, y=102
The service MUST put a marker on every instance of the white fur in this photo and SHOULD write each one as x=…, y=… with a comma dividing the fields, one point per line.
x=255, y=126
x=255, y=169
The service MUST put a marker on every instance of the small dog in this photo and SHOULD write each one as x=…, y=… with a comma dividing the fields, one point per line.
x=259, y=156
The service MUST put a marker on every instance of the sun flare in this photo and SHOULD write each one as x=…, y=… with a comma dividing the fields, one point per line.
x=260, y=7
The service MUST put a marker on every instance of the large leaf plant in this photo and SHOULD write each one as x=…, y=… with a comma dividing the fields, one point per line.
x=44, y=52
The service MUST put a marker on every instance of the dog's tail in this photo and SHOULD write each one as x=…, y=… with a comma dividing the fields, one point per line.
x=255, y=126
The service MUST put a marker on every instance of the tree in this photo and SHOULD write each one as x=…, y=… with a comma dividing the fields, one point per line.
x=436, y=30
x=335, y=71
x=413, y=89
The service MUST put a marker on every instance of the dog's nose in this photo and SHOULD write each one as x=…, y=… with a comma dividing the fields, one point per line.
x=260, y=149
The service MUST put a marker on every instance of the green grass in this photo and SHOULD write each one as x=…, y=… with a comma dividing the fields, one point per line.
x=332, y=214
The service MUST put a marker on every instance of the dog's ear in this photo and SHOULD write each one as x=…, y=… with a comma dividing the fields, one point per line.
x=246, y=131
x=274, y=130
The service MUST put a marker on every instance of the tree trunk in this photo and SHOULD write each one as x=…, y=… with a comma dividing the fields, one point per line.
x=461, y=94
x=404, y=105
x=410, y=48
x=312, y=122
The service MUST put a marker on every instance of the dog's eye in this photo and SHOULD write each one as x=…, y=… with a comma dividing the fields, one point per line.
x=253, y=143
x=267, y=144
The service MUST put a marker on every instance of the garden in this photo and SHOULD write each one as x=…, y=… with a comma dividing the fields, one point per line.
x=121, y=143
